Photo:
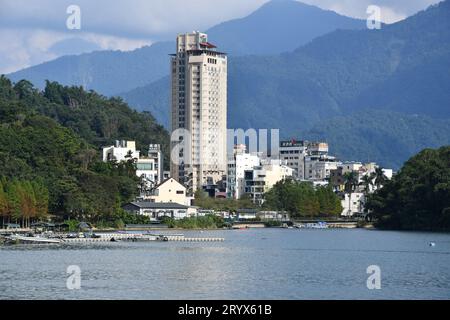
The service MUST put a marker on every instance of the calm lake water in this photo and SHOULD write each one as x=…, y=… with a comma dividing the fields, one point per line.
x=250, y=264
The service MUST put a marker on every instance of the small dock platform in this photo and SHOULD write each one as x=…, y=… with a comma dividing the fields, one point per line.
x=140, y=237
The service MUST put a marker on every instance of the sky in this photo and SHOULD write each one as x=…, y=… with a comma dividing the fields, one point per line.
x=35, y=31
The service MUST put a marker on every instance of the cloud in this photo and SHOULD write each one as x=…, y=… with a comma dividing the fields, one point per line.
x=31, y=30
x=27, y=47
x=24, y=47
x=153, y=19
x=391, y=10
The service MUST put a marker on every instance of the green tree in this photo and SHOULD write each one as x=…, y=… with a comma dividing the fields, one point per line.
x=27, y=203
x=13, y=191
x=330, y=204
x=418, y=197
x=42, y=197
x=3, y=202
x=301, y=199
x=379, y=177
x=366, y=183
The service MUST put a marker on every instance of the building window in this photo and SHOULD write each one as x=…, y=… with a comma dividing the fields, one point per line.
x=144, y=166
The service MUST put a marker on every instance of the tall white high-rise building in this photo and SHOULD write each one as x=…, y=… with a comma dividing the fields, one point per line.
x=199, y=112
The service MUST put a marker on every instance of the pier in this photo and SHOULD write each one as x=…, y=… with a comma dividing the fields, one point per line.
x=90, y=240
x=140, y=237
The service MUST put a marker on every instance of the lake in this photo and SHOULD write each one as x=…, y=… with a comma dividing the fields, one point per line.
x=266, y=263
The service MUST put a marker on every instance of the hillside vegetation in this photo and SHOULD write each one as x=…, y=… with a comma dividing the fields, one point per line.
x=418, y=197
x=53, y=138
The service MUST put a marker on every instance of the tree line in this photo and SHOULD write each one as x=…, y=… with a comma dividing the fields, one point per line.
x=204, y=201
x=418, y=196
x=23, y=201
x=302, y=199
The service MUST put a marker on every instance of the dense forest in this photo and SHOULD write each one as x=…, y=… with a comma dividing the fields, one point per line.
x=418, y=197
x=50, y=141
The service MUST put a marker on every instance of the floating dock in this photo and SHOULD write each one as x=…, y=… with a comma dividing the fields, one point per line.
x=112, y=237
x=107, y=237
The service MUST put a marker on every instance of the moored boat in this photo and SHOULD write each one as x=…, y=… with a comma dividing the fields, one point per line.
x=30, y=239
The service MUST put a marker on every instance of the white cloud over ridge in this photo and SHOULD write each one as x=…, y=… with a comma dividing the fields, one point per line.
x=29, y=29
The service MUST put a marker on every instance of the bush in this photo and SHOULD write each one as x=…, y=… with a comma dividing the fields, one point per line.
x=73, y=225
x=206, y=222
x=272, y=223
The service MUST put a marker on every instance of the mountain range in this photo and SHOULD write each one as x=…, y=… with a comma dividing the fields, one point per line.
x=278, y=26
x=400, y=73
x=377, y=95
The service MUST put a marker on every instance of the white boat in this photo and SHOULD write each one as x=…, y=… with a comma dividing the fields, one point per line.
x=315, y=225
x=24, y=239
x=318, y=225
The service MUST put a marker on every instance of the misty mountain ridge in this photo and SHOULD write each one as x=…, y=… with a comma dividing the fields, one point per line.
x=276, y=27
x=402, y=69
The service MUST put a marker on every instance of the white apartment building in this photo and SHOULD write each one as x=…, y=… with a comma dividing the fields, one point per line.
x=318, y=167
x=120, y=151
x=262, y=178
x=237, y=164
x=351, y=166
x=199, y=106
x=353, y=203
x=294, y=152
x=318, y=164
x=149, y=167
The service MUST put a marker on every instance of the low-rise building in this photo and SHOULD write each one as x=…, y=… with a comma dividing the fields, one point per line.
x=121, y=151
x=337, y=179
x=169, y=191
x=273, y=215
x=157, y=210
x=319, y=167
x=293, y=153
x=337, y=176
x=352, y=203
x=146, y=170
x=237, y=164
x=149, y=168
x=262, y=178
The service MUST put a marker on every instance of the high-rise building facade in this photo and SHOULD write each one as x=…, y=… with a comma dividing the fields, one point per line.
x=199, y=112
